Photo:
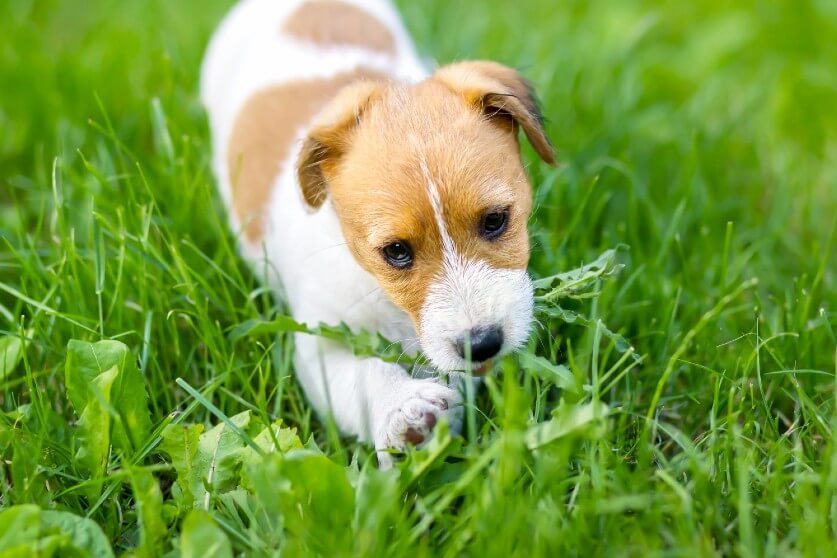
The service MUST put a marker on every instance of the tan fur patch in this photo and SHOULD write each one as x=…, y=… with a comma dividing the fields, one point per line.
x=262, y=137
x=499, y=90
x=326, y=22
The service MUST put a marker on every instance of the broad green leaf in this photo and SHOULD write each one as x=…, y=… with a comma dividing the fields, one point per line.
x=276, y=437
x=207, y=462
x=27, y=530
x=566, y=420
x=180, y=442
x=94, y=425
x=149, y=507
x=128, y=400
x=86, y=537
x=317, y=490
x=202, y=538
x=217, y=462
x=210, y=462
x=19, y=527
x=11, y=353
x=85, y=361
x=558, y=374
x=311, y=493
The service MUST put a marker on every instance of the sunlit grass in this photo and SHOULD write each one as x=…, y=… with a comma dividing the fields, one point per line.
x=702, y=135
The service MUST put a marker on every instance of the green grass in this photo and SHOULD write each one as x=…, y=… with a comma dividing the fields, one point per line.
x=703, y=135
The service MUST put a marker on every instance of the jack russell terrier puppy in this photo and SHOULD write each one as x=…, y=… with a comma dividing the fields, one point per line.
x=371, y=192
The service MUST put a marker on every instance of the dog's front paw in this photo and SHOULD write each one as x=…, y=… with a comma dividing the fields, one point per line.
x=411, y=415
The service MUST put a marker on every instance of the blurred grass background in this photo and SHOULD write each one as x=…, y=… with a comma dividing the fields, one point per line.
x=701, y=134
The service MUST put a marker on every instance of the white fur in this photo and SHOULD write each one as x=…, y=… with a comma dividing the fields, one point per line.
x=303, y=255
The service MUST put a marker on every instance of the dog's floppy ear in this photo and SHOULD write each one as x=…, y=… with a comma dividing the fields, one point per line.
x=500, y=92
x=329, y=138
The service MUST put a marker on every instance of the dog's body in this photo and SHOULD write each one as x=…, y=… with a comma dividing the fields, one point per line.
x=339, y=161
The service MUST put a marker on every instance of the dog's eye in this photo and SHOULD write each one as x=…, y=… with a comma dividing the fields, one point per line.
x=494, y=223
x=398, y=254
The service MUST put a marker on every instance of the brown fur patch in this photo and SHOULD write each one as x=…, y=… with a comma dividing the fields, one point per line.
x=262, y=137
x=500, y=91
x=329, y=138
x=326, y=22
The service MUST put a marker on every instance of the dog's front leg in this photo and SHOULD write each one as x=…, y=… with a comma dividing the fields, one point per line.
x=372, y=399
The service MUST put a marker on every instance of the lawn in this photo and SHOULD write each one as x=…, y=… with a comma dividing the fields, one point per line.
x=677, y=400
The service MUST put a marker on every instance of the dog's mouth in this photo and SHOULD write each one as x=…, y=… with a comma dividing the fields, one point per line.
x=481, y=368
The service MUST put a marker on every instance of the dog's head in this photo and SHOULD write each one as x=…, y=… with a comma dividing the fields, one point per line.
x=430, y=189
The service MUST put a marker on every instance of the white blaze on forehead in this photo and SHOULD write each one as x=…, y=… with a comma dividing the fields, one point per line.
x=448, y=249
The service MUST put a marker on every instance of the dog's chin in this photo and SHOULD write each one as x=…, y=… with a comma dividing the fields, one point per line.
x=482, y=368
x=452, y=364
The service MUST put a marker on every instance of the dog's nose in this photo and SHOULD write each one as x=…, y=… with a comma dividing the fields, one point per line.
x=485, y=343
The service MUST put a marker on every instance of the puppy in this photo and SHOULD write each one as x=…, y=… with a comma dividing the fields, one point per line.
x=370, y=192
